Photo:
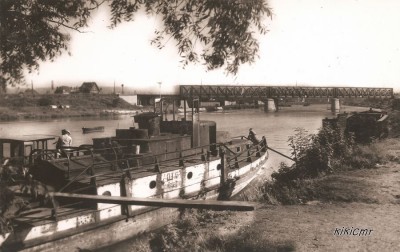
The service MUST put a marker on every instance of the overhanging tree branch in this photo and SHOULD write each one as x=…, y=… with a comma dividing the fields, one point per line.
x=66, y=26
x=221, y=28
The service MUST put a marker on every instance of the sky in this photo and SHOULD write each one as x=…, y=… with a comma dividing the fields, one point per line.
x=309, y=43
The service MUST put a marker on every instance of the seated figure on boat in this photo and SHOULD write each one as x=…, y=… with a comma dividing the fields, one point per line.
x=65, y=140
x=252, y=136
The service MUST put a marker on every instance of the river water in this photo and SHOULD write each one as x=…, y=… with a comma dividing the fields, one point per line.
x=275, y=126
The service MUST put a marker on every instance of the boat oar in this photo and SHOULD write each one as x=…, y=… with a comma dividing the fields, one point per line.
x=179, y=203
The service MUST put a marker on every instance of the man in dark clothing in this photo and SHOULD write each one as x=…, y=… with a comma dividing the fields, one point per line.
x=252, y=136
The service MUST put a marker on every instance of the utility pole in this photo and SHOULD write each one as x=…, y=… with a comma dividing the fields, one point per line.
x=161, y=105
x=159, y=83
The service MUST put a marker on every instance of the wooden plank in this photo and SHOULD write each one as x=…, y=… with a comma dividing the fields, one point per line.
x=179, y=203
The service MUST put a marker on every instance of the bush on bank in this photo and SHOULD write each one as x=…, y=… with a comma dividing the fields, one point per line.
x=316, y=154
x=327, y=152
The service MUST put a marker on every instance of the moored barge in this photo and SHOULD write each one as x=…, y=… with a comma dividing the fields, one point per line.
x=364, y=126
x=159, y=160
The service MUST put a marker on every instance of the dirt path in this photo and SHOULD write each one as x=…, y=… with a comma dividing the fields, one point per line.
x=375, y=206
x=312, y=227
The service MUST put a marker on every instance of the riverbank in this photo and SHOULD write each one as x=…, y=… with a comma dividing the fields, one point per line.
x=367, y=199
x=56, y=114
x=16, y=107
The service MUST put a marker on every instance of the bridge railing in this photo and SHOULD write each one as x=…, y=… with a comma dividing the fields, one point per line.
x=262, y=92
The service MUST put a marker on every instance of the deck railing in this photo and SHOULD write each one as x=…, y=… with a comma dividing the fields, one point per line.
x=129, y=164
x=232, y=162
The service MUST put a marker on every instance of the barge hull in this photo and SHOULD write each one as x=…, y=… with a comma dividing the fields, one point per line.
x=120, y=228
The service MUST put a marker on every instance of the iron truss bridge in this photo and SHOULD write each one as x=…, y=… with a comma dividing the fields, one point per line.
x=264, y=92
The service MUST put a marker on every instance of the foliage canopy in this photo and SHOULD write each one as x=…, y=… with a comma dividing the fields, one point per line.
x=38, y=30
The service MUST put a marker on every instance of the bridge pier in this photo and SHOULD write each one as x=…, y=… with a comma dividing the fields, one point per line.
x=335, y=105
x=269, y=105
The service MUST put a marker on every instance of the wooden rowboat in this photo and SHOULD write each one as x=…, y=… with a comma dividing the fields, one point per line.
x=93, y=129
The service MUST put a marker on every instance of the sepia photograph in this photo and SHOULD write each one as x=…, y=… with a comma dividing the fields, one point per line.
x=199, y=125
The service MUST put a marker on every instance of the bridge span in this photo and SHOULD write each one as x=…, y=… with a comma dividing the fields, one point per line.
x=226, y=92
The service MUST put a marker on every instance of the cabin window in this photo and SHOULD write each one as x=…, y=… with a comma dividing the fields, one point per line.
x=6, y=150
x=238, y=149
x=107, y=193
x=190, y=175
x=28, y=150
x=153, y=184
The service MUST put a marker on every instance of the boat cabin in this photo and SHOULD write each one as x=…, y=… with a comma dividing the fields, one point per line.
x=19, y=149
x=368, y=125
x=364, y=126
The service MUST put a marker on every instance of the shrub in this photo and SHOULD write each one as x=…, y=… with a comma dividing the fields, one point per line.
x=315, y=154
x=45, y=101
x=116, y=102
x=326, y=152
x=184, y=235
x=191, y=233
x=366, y=156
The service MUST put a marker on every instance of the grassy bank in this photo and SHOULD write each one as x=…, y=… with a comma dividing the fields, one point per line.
x=343, y=185
x=321, y=159
x=204, y=230
x=14, y=107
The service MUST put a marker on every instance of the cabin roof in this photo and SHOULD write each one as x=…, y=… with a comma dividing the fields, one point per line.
x=88, y=86
x=28, y=138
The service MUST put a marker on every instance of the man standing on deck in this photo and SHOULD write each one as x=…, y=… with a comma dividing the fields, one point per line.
x=64, y=140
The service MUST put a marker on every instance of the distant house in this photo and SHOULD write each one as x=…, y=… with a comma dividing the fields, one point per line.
x=89, y=88
x=63, y=90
